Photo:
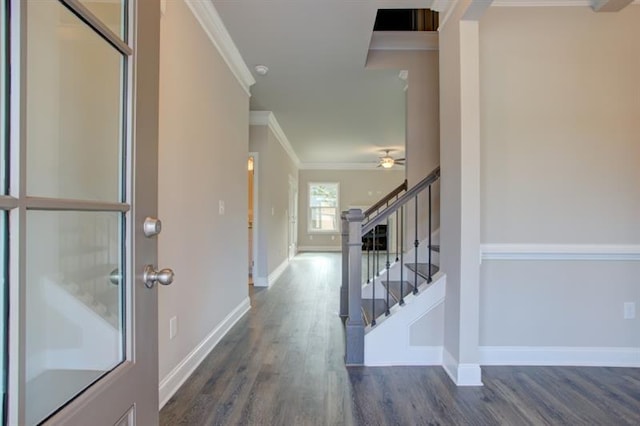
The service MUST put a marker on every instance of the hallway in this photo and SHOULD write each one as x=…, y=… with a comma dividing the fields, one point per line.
x=282, y=365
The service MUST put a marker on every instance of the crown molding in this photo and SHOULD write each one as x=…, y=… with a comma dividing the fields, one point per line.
x=347, y=166
x=268, y=118
x=208, y=17
x=404, y=40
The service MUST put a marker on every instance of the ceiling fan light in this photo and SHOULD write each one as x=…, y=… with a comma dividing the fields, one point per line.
x=386, y=162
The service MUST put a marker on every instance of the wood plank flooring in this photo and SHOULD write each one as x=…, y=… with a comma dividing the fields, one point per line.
x=282, y=364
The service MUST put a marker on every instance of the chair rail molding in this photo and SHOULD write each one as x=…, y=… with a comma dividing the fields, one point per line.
x=603, y=252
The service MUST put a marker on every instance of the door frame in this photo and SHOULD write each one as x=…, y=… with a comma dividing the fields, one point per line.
x=292, y=219
x=256, y=212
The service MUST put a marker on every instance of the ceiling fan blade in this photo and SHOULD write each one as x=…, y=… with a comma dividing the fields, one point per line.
x=400, y=159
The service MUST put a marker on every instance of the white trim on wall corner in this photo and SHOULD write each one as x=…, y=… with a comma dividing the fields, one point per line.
x=302, y=249
x=212, y=24
x=176, y=377
x=261, y=282
x=268, y=118
x=461, y=374
x=619, y=252
x=560, y=356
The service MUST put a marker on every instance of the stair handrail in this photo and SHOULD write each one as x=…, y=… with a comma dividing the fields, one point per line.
x=384, y=200
x=402, y=200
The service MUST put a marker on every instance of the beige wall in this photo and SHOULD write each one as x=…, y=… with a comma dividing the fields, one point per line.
x=204, y=137
x=560, y=165
x=274, y=166
x=358, y=188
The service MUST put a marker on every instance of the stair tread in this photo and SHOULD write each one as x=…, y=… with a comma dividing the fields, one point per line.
x=367, y=313
x=435, y=247
x=422, y=269
x=394, y=288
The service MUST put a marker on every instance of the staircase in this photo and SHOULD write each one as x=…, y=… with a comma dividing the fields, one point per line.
x=401, y=282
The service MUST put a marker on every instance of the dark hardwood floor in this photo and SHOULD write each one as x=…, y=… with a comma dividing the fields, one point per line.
x=282, y=365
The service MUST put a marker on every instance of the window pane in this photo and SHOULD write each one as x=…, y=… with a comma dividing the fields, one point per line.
x=74, y=312
x=109, y=12
x=323, y=195
x=74, y=108
x=323, y=207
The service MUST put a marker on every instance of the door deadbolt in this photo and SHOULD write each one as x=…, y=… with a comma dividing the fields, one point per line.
x=151, y=227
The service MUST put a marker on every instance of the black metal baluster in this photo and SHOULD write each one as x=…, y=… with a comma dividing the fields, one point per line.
x=397, y=236
x=373, y=281
x=429, y=236
x=402, y=255
x=416, y=243
x=368, y=259
x=388, y=264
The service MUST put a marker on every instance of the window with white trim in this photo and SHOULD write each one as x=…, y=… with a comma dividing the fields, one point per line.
x=324, y=207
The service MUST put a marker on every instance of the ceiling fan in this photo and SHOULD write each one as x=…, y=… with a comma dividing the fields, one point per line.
x=388, y=161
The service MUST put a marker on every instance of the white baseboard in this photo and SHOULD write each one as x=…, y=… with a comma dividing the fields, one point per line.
x=461, y=374
x=273, y=276
x=319, y=248
x=566, y=356
x=176, y=377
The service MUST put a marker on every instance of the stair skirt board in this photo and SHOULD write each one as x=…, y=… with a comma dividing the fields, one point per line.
x=388, y=343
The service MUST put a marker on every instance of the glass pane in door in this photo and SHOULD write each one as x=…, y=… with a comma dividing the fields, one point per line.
x=109, y=12
x=74, y=305
x=74, y=107
x=4, y=98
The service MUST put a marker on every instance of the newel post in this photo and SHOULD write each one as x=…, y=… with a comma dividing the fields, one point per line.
x=344, y=288
x=355, y=324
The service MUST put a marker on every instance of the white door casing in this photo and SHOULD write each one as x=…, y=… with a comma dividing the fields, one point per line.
x=293, y=217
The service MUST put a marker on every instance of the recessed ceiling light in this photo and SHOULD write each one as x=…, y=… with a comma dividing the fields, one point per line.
x=261, y=69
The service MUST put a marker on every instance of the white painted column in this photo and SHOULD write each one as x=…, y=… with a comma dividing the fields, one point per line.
x=460, y=188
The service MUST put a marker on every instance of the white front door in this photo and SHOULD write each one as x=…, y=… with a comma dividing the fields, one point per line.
x=79, y=174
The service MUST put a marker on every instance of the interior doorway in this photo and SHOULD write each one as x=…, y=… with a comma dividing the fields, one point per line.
x=293, y=217
x=252, y=215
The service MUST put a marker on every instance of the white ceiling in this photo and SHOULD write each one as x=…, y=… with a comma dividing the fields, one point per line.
x=331, y=108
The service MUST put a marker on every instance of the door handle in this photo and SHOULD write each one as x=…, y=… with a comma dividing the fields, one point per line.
x=152, y=276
